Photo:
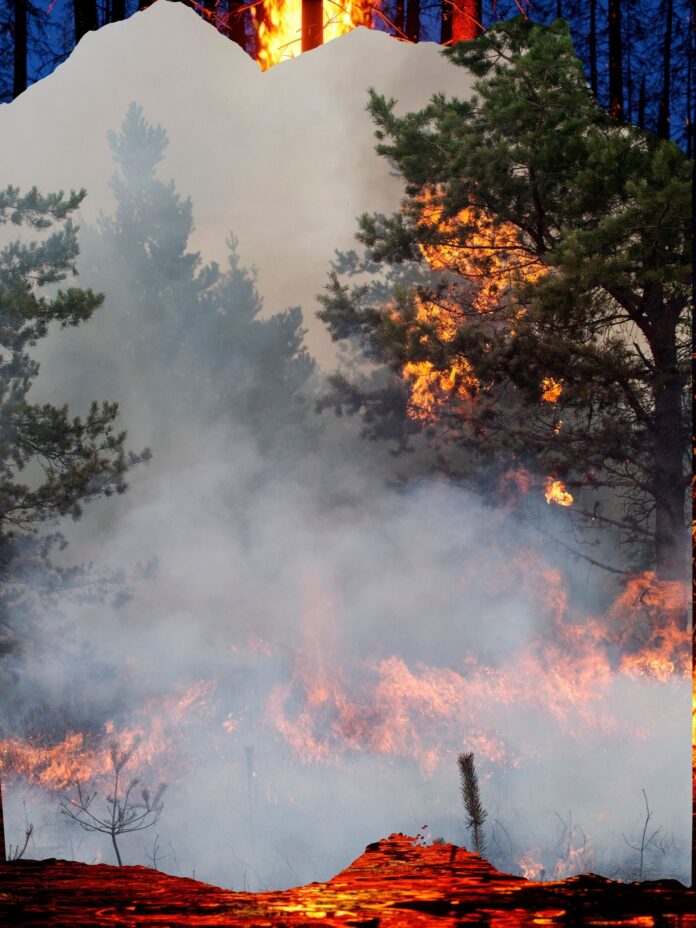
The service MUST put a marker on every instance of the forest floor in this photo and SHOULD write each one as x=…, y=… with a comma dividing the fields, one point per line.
x=397, y=881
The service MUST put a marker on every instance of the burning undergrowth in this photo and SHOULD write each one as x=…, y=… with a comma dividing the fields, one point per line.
x=304, y=674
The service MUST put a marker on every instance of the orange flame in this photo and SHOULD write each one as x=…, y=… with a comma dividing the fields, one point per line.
x=489, y=258
x=279, y=26
x=551, y=390
x=556, y=493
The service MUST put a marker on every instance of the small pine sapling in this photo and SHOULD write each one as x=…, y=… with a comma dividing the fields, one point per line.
x=476, y=814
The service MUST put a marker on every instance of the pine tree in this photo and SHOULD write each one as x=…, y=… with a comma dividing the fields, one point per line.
x=577, y=232
x=476, y=814
x=188, y=338
x=51, y=464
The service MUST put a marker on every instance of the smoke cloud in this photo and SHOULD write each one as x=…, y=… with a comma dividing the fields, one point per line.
x=306, y=633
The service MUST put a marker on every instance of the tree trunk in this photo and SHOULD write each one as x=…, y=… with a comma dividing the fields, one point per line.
x=616, y=102
x=118, y=855
x=641, y=104
x=235, y=22
x=312, y=24
x=85, y=15
x=413, y=20
x=118, y=11
x=663, y=114
x=19, y=81
x=668, y=441
x=399, y=10
x=3, y=852
x=446, y=23
x=466, y=20
x=593, y=47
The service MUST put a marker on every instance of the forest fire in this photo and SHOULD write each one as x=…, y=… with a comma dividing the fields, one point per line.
x=323, y=709
x=278, y=25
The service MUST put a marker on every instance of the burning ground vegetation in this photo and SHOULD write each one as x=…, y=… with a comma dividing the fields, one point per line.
x=396, y=881
x=266, y=786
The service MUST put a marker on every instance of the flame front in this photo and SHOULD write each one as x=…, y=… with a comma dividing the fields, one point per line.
x=326, y=707
x=278, y=25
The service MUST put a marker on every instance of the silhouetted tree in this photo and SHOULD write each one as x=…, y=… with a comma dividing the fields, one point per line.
x=20, y=47
x=124, y=813
x=216, y=357
x=85, y=17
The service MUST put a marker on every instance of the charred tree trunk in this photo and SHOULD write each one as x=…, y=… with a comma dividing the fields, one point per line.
x=641, y=104
x=593, y=47
x=616, y=101
x=663, y=126
x=399, y=11
x=413, y=20
x=668, y=433
x=3, y=851
x=466, y=20
x=235, y=22
x=85, y=16
x=19, y=79
x=312, y=24
x=446, y=23
x=118, y=11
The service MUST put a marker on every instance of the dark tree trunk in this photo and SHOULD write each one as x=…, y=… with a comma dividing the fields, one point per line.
x=3, y=852
x=399, y=11
x=85, y=15
x=663, y=113
x=616, y=102
x=19, y=80
x=466, y=20
x=559, y=9
x=593, y=47
x=669, y=485
x=118, y=11
x=641, y=104
x=413, y=20
x=312, y=24
x=446, y=23
x=235, y=22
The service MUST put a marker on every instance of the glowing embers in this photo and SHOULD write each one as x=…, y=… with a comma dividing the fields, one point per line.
x=278, y=25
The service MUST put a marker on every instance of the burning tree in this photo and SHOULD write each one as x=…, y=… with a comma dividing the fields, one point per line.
x=124, y=815
x=548, y=333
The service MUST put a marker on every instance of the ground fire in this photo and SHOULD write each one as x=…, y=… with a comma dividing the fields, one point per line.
x=397, y=881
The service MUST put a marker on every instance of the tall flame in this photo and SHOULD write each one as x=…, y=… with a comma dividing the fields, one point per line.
x=278, y=26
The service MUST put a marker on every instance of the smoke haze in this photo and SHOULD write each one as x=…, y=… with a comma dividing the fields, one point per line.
x=310, y=635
